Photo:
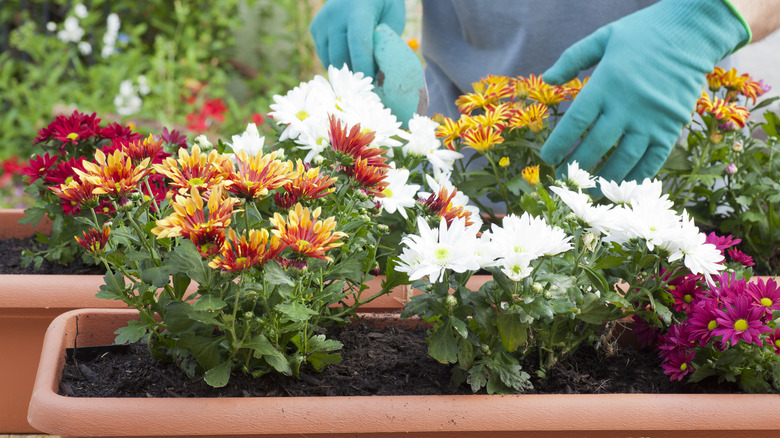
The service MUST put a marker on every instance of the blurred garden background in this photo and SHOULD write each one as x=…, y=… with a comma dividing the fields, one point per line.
x=195, y=66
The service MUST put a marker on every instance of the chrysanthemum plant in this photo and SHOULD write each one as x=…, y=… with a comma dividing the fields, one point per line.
x=53, y=176
x=724, y=171
x=252, y=249
x=502, y=126
x=563, y=273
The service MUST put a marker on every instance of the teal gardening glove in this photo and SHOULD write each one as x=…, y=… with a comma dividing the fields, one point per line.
x=650, y=73
x=365, y=34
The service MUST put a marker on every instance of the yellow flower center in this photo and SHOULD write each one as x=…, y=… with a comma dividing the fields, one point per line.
x=740, y=325
x=387, y=192
x=766, y=302
x=687, y=298
x=712, y=325
x=777, y=342
x=195, y=181
x=302, y=115
x=441, y=254
x=683, y=367
x=72, y=136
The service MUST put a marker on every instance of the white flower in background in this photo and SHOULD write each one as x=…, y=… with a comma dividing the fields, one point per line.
x=127, y=102
x=249, y=141
x=431, y=252
x=109, y=38
x=295, y=108
x=398, y=194
x=51, y=26
x=84, y=47
x=203, y=142
x=422, y=142
x=143, y=85
x=80, y=10
x=602, y=219
x=72, y=31
x=578, y=177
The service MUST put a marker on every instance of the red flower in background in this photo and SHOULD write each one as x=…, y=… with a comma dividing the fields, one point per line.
x=116, y=131
x=213, y=111
x=70, y=129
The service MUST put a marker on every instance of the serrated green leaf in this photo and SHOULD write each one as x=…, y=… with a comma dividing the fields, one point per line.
x=512, y=330
x=443, y=346
x=321, y=359
x=208, y=302
x=157, y=276
x=275, y=274
x=295, y=311
x=113, y=287
x=133, y=332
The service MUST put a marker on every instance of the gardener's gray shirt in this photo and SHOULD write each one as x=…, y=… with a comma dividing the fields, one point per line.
x=465, y=40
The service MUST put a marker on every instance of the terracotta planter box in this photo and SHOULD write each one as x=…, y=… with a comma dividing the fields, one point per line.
x=611, y=415
x=29, y=303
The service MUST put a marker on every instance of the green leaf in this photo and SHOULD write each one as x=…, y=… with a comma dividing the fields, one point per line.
x=208, y=302
x=295, y=311
x=157, y=276
x=113, y=287
x=219, y=375
x=596, y=279
x=443, y=346
x=274, y=274
x=206, y=349
x=185, y=258
x=321, y=359
x=133, y=332
x=512, y=331
x=263, y=348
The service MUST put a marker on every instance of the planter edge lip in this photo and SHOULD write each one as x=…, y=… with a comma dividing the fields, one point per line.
x=745, y=412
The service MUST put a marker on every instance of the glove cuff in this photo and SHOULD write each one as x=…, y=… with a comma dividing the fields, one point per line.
x=742, y=20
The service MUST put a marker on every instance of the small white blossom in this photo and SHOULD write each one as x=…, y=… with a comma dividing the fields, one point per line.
x=72, y=31
x=84, y=47
x=51, y=26
x=80, y=10
x=433, y=251
x=580, y=178
x=398, y=195
x=127, y=102
x=249, y=141
x=422, y=142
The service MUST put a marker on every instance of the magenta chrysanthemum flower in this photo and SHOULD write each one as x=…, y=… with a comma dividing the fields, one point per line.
x=740, y=257
x=646, y=334
x=676, y=339
x=729, y=287
x=774, y=340
x=678, y=364
x=722, y=242
x=686, y=292
x=741, y=320
x=702, y=320
x=765, y=295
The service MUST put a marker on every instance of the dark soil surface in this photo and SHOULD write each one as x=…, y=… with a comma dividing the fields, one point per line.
x=377, y=361
x=11, y=262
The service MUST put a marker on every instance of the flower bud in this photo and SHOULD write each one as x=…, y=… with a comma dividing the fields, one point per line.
x=731, y=169
x=537, y=287
x=383, y=228
x=589, y=240
x=203, y=142
x=737, y=146
x=451, y=301
x=485, y=349
x=716, y=137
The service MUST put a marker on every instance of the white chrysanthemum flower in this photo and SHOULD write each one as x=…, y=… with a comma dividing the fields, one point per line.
x=600, y=218
x=528, y=235
x=651, y=219
x=143, y=85
x=113, y=23
x=347, y=85
x=51, y=26
x=249, y=141
x=516, y=266
x=314, y=136
x=578, y=177
x=398, y=194
x=627, y=191
x=296, y=107
x=431, y=252
x=690, y=245
x=372, y=116
x=71, y=32
x=422, y=142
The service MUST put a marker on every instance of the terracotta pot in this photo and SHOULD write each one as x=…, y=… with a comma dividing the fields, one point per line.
x=29, y=303
x=609, y=415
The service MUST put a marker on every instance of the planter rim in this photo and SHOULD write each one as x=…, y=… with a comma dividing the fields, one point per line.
x=360, y=414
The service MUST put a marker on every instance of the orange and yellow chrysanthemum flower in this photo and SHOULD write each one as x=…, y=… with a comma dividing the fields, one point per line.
x=574, y=86
x=714, y=81
x=306, y=183
x=440, y=204
x=482, y=137
x=305, y=234
x=532, y=116
x=450, y=131
x=356, y=143
x=531, y=174
x=722, y=110
x=146, y=148
x=248, y=251
x=372, y=178
x=94, y=241
x=257, y=175
x=114, y=174
x=77, y=193
x=189, y=219
x=496, y=116
x=196, y=170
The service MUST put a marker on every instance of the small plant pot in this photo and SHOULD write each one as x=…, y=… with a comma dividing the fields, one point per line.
x=607, y=415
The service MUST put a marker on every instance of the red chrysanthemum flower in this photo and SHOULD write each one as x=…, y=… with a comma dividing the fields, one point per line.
x=685, y=291
x=305, y=184
x=70, y=129
x=676, y=339
x=741, y=320
x=64, y=172
x=94, y=241
x=722, y=242
x=702, y=320
x=115, y=131
x=740, y=257
x=174, y=138
x=39, y=167
x=114, y=174
x=774, y=340
x=372, y=178
x=440, y=205
x=75, y=195
x=355, y=144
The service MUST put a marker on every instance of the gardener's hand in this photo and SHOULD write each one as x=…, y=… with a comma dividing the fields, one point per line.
x=651, y=69
x=343, y=31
